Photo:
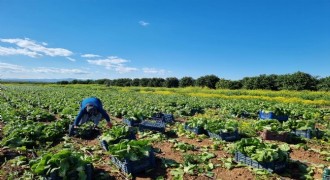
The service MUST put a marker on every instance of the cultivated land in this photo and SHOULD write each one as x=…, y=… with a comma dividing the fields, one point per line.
x=35, y=120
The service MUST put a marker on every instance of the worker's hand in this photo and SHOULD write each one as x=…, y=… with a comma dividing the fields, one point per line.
x=75, y=127
x=109, y=124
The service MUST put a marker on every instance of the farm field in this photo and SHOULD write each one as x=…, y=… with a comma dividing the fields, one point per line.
x=34, y=122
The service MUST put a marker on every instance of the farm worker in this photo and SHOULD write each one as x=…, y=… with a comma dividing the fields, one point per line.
x=91, y=109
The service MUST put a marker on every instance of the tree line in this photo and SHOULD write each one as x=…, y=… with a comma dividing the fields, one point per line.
x=295, y=81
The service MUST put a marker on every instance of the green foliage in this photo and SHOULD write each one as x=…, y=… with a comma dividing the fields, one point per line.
x=196, y=122
x=66, y=162
x=207, y=81
x=268, y=82
x=261, y=152
x=183, y=146
x=228, y=84
x=171, y=82
x=130, y=149
x=299, y=124
x=271, y=125
x=324, y=84
x=223, y=126
x=297, y=81
x=115, y=133
x=186, y=82
x=29, y=133
x=277, y=110
x=198, y=163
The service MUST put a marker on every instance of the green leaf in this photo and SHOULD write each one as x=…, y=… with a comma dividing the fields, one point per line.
x=177, y=173
x=189, y=168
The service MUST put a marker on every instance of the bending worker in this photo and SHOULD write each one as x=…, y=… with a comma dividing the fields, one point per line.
x=91, y=109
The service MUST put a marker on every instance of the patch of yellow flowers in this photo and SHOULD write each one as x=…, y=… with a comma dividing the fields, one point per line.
x=301, y=97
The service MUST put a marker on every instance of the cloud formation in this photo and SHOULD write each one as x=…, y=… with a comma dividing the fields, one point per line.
x=113, y=63
x=5, y=51
x=13, y=68
x=154, y=71
x=143, y=23
x=90, y=56
x=59, y=70
x=71, y=59
x=6, y=67
x=31, y=48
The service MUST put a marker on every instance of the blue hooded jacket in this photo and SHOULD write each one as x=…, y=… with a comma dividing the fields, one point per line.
x=96, y=103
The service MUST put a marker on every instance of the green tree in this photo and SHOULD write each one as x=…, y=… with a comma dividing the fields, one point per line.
x=186, y=81
x=324, y=84
x=101, y=81
x=171, y=82
x=207, y=81
x=144, y=82
x=297, y=81
x=135, y=82
x=228, y=84
x=249, y=83
x=156, y=82
x=122, y=82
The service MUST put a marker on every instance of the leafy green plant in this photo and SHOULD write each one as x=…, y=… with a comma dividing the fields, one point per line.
x=66, y=162
x=130, y=149
x=277, y=110
x=115, y=133
x=183, y=146
x=29, y=133
x=196, y=122
x=271, y=125
x=218, y=127
x=260, y=151
x=299, y=124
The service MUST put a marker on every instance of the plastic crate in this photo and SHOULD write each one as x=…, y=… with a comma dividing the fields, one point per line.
x=303, y=133
x=105, y=145
x=131, y=122
x=269, y=135
x=89, y=170
x=167, y=118
x=270, y=166
x=271, y=115
x=133, y=167
x=197, y=130
x=326, y=174
x=158, y=116
x=224, y=136
x=153, y=126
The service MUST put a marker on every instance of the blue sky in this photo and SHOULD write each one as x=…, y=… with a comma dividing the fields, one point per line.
x=94, y=39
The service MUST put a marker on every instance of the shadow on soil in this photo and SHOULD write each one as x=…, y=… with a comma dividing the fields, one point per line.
x=296, y=170
x=158, y=171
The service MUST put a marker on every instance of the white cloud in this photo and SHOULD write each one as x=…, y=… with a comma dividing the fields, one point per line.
x=154, y=71
x=122, y=69
x=13, y=68
x=143, y=23
x=90, y=56
x=4, y=51
x=59, y=71
x=6, y=67
x=31, y=48
x=113, y=63
x=71, y=59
